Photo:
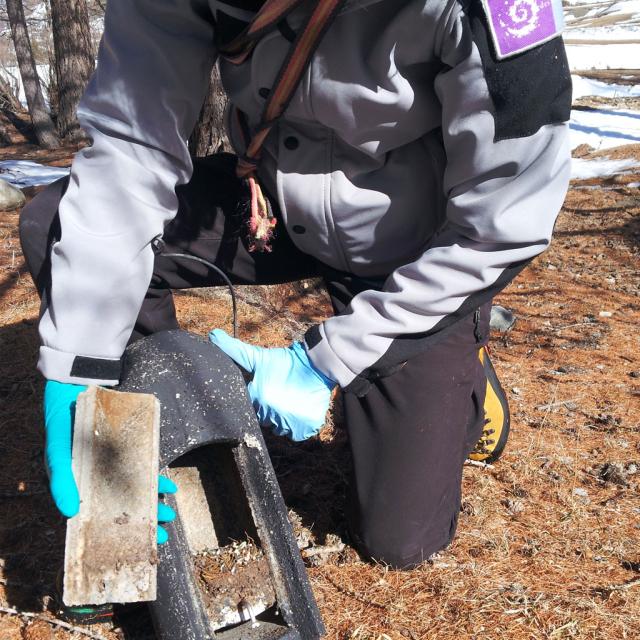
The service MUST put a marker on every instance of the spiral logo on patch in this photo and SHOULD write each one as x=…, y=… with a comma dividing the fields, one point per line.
x=521, y=18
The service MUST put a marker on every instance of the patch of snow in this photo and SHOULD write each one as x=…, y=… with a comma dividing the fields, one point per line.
x=13, y=77
x=599, y=9
x=24, y=173
x=602, y=35
x=604, y=128
x=601, y=168
x=587, y=87
x=605, y=56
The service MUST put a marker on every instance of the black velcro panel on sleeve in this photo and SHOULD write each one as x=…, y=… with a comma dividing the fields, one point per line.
x=96, y=368
x=313, y=336
x=530, y=89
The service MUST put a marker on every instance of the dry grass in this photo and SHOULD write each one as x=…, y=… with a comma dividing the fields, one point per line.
x=547, y=545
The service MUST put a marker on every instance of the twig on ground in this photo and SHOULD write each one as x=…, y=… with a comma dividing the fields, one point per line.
x=624, y=586
x=546, y=407
x=477, y=463
x=53, y=621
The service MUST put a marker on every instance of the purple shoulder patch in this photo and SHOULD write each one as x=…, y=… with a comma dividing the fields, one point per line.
x=518, y=25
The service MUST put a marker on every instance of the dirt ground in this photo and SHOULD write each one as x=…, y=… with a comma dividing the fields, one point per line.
x=548, y=540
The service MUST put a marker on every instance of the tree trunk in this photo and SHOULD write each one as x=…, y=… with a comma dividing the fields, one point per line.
x=74, y=61
x=209, y=135
x=52, y=93
x=42, y=123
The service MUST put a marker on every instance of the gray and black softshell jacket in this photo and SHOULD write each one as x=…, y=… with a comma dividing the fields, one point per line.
x=427, y=144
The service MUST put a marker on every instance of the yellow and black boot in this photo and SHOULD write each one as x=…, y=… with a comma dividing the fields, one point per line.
x=496, y=414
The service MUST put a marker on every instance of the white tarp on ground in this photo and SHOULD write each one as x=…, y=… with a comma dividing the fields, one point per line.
x=24, y=173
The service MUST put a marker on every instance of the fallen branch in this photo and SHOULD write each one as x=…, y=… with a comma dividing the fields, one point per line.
x=52, y=621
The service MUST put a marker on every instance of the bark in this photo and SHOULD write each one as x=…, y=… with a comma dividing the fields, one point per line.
x=74, y=57
x=43, y=127
x=209, y=135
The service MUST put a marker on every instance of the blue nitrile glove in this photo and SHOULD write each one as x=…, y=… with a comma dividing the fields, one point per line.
x=165, y=512
x=59, y=408
x=288, y=393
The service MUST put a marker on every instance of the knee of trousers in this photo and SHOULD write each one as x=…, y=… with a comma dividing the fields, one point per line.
x=403, y=551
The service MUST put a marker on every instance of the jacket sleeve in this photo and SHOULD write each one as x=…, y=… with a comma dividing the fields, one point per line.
x=507, y=172
x=140, y=106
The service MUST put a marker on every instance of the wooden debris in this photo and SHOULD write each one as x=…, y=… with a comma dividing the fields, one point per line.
x=111, y=551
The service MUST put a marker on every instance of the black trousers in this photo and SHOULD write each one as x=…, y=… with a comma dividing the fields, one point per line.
x=409, y=435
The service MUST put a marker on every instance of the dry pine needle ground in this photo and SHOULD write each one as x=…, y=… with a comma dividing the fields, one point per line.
x=548, y=540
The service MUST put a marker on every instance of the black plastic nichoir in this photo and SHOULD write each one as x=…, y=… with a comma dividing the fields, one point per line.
x=205, y=406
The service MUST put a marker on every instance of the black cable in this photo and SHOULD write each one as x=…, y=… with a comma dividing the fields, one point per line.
x=222, y=274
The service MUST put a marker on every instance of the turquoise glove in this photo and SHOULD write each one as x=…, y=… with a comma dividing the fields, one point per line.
x=288, y=392
x=59, y=408
x=165, y=512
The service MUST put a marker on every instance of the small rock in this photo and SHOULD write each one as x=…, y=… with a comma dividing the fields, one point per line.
x=605, y=314
x=581, y=493
x=516, y=391
x=501, y=319
x=10, y=197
